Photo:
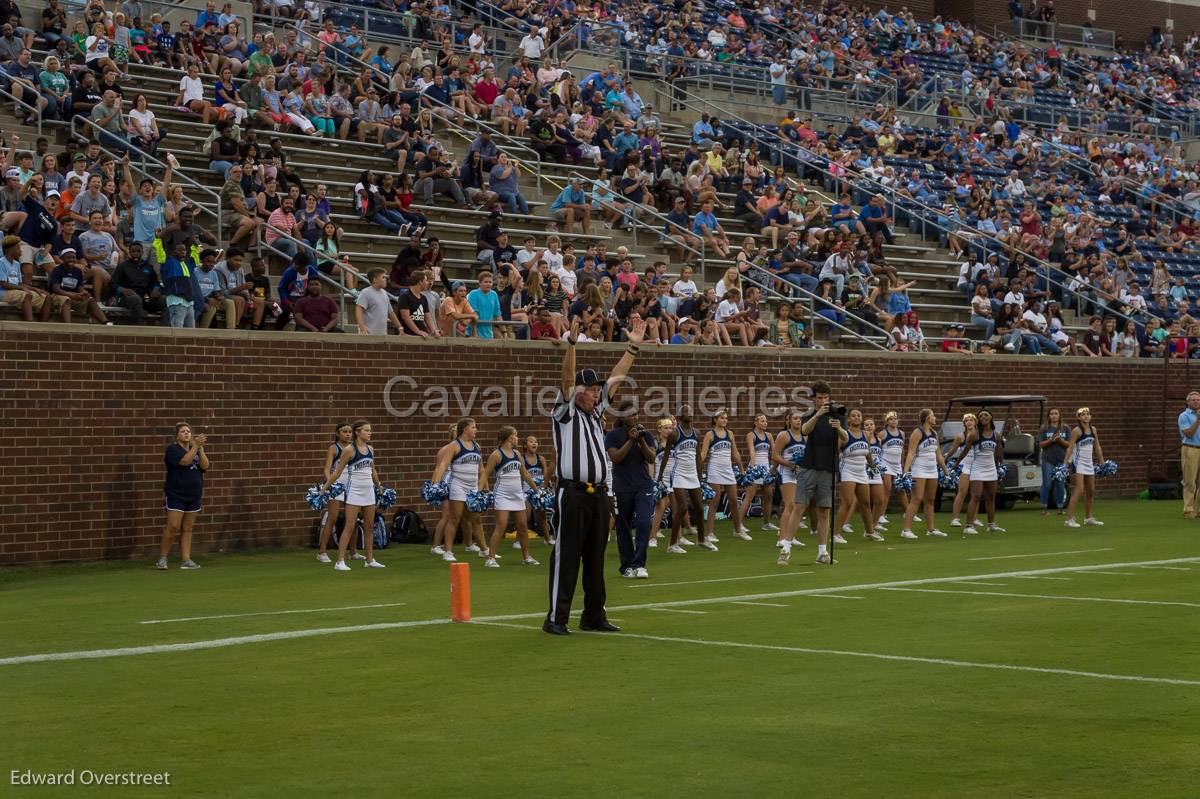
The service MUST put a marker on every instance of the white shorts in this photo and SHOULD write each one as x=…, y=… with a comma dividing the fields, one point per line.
x=460, y=488
x=508, y=499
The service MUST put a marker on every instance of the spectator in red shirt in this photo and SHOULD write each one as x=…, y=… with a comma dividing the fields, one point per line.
x=953, y=342
x=543, y=324
x=314, y=312
x=486, y=90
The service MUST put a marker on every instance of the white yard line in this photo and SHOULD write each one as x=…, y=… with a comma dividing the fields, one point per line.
x=1040, y=577
x=835, y=596
x=272, y=613
x=880, y=656
x=970, y=582
x=719, y=580
x=1168, y=568
x=217, y=643
x=1044, y=554
x=679, y=610
x=762, y=604
x=1115, y=574
x=1052, y=596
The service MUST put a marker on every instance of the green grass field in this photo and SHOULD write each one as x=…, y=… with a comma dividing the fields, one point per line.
x=733, y=676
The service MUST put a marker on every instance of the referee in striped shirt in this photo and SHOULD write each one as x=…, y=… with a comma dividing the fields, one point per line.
x=581, y=500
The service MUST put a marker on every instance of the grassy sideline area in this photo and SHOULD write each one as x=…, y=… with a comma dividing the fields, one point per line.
x=968, y=674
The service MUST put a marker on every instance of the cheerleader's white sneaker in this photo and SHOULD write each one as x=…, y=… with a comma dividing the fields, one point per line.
x=916, y=518
x=954, y=522
x=909, y=534
x=472, y=547
x=683, y=541
x=838, y=538
x=1071, y=523
x=883, y=520
x=742, y=535
x=491, y=563
x=995, y=528
x=768, y=527
x=529, y=561
x=449, y=557
x=161, y=564
x=873, y=536
x=709, y=545
x=341, y=566
x=323, y=558
x=439, y=550
x=374, y=564
x=358, y=556
x=936, y=533
x=653, y=543
x=847, y=528
x=675, y=549
x=1096, y=522
x=970, y=530
x=641, y=573
x=711, y=537
x=516, y=545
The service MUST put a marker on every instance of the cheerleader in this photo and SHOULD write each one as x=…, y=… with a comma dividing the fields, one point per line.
x=342, y=436
x=922, y=460
x=854, y=486
x=459, y=463
x=362, y=489
x=961, y=450
x=875, y=480
x=511, y=477
x=662, y=465
x=789, y=447
x=719, y=452
x=1083, y=453
x=986, y=448
x=892, y=441
x=538, y=469
x=685, y=483
x=758, y=443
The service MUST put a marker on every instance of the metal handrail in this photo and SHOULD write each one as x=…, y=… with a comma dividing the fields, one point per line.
x=812, y=300
x=85, y=123
x=777, y=144
x=343, y=291
x=33, y=109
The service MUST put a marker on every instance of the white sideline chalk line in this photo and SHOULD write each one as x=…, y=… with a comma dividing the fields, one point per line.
x=679, y=610
x=1052, y=596
x=272, y=613
x=969, y=582
x=880, y=656
x=216, y=643
x=1115, y=574
x=836, y=596
x=1040, y=577
x=1044, y=554
x=1168, y=568
x=762, y=604
x=719, y=579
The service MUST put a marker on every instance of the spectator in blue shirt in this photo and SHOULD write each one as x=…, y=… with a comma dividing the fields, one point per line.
x=875, y=219
x=293, y=285
x=486, y=305
x=702, y=132
x=624, y=142
x=571, y=204
x=706, y=226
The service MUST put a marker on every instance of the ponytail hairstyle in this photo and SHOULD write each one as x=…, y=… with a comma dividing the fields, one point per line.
x=358, y=424
x=337, y=429
x=504, y=434
x=461, y=425
x=923, y=415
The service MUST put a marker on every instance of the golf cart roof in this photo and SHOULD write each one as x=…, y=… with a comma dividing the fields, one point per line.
x=998, y=399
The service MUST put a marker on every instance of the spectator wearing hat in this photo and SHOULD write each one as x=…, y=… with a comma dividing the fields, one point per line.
x=434, y=176
x=745, y=207
x=954, y=341
x=38, y=229
x=837, y=267
x=67, y=285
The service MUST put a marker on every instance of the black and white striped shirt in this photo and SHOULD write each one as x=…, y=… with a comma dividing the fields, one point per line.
x=579, y=441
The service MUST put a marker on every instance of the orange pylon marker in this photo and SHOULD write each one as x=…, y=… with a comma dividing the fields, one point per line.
x=460, y=592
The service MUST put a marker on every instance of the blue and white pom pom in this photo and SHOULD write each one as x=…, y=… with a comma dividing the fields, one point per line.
x=759, y=475
x=1001, y=471
x=948, y=480
x=874, y=469
x=479, y=501
x=661, y=490
x=903, y=482
x=540, y=498
x=386, y=498
x=1061, y=473
x=954, y=467
x=797, y=456
x=316, y=498
x=706, y=492
x=1106, y=469
x=738, y=477
x=435, y=493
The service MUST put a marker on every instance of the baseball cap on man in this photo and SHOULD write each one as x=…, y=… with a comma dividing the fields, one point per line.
x=588, y=377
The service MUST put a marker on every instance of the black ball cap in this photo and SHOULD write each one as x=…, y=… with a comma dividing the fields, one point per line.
x=588, y=377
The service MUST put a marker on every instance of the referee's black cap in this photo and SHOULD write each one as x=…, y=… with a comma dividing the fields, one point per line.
x=588, y=377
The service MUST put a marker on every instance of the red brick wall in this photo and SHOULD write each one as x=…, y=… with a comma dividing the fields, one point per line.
x=86, y=415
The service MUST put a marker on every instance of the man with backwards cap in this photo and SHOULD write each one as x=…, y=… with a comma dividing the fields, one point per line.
x=581, y=499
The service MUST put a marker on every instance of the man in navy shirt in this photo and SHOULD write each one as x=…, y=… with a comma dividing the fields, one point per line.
x=66, y=283
x=631, y=449
x=874, y=218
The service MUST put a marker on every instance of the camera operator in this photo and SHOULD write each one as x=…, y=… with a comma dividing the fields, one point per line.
x=631, y=448
x=825, y=434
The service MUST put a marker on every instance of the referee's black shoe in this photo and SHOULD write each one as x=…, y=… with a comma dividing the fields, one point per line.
x=555, y=629
x=602, y=627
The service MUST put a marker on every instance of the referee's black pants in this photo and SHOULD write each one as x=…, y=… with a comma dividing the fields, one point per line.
x=582, y=521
